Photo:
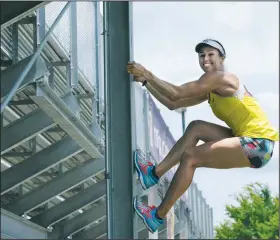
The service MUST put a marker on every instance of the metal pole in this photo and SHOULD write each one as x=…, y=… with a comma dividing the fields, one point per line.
x=41, y=24
x=97, y=57
x=32, y=60
x=14, y=43
x=35, y=30
x=152, y=194
x=120, y=121
x=107, y=162
x=183, y=120
x=146, y=113
x=211, y=224
x=73, y=45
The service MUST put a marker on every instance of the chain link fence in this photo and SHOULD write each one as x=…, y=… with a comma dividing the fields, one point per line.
x=86, y=38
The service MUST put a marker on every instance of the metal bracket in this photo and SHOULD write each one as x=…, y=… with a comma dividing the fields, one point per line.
x=107, y=175
x=105, y=32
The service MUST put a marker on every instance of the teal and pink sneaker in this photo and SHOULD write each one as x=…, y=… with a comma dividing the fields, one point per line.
x=148, y=215
x=144, y=169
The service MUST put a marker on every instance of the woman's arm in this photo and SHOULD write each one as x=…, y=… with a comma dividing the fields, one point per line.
x=206, y=83
x=187, y=102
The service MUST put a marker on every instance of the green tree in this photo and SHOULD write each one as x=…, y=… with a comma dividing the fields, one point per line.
x=255, y=217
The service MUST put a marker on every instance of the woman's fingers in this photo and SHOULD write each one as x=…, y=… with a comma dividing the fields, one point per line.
x=135, y=68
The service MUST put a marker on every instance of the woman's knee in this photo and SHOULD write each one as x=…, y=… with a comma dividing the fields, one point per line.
x=195, y=125
x=193, y=131
x=188, y=157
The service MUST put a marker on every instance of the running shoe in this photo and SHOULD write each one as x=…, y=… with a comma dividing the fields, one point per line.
x=148, y=215
x=144, y=169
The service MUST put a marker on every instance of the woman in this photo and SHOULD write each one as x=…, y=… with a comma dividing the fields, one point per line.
x=248, y=142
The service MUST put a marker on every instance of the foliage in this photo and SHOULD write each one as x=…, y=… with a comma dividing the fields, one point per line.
x=255, y=217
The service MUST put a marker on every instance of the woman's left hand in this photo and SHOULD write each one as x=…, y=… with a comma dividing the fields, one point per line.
x=136, y=69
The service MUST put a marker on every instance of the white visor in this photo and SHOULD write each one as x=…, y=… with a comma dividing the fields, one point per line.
x=211, y=43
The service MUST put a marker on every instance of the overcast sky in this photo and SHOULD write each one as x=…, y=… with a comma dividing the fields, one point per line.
x=165, y=34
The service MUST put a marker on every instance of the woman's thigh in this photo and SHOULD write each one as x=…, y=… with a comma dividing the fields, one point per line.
x=221, y=154
x=206, y=131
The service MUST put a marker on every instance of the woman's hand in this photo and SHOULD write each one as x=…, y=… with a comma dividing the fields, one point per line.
x=137, y=70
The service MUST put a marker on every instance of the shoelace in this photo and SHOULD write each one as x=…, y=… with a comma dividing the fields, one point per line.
x=146, y=210
x=145, y=163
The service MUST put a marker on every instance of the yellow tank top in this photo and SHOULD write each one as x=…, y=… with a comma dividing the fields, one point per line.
x=245, y=117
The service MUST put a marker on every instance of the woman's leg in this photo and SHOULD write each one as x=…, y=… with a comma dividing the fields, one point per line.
x=223, y=154
x=196, y=130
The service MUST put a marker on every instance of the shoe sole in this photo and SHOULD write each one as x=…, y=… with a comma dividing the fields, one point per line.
x=139, y=171
x=141, y=216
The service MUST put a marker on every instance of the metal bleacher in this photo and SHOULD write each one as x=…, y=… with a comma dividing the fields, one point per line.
x=55, y=181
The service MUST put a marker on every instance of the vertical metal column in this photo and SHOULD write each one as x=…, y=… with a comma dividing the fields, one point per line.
x=152, y=195
x=199, y=198
x=207, y=222
x=192, y=208
x=204, y=217
x=184, y=110
x=183, y=221
x=211, y=224
x=41, y=24
x=74, y=45
x=34, y=26
x=146, y=114
x=33, y=141
x=196, y=213
x=15, y=43
x=96, y=5
x=120, y=121
x=38, y=36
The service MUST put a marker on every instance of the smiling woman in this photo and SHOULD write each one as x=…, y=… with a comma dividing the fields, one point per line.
x=248, y=141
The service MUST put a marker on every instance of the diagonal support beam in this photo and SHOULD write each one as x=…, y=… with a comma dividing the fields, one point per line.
x=81, y=221
x=64, y=116
x=39, y=162
x=70, y=205
x=12, y=73
x=24, y=129
x=58, y=185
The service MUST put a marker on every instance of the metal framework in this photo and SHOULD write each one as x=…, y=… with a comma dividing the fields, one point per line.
x=58, y=177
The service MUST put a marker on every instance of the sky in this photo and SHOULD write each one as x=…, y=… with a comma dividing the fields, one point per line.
x=165, y=35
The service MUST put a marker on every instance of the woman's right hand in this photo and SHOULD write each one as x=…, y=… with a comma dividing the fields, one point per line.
x=135, y=69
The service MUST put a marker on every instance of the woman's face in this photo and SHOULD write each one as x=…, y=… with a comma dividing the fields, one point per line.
x=210, y=59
